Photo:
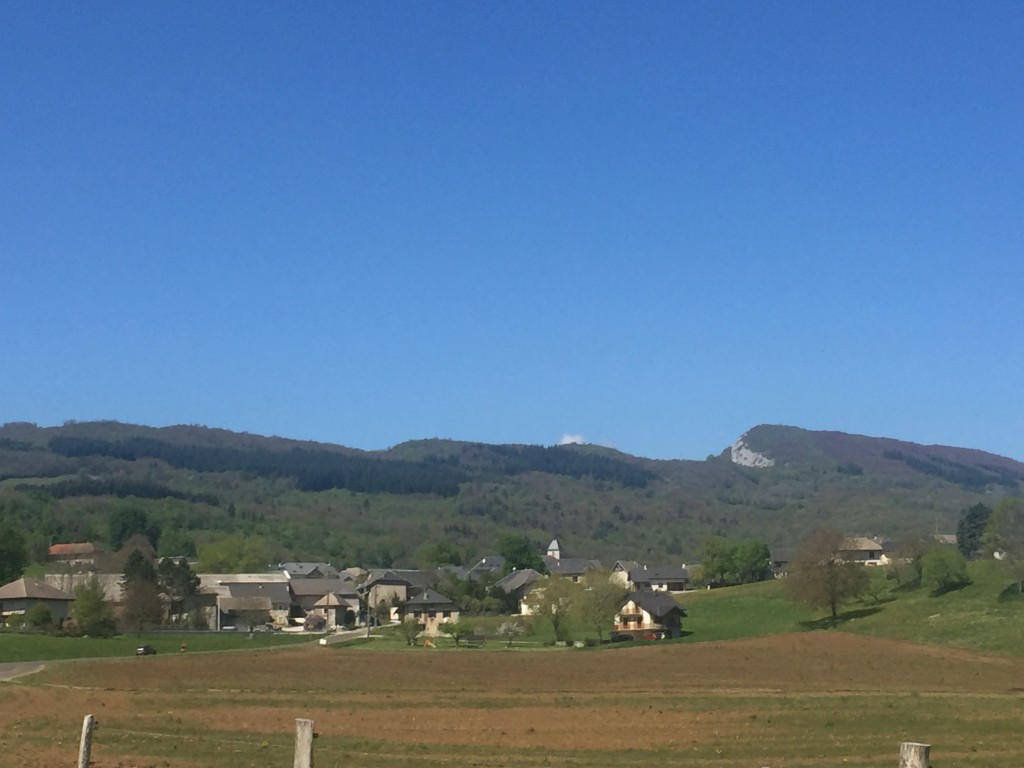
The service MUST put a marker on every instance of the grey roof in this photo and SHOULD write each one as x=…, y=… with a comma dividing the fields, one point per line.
x=253, y=603
x=321, y=587
x=301, y=570
x=457, y=571
x=518, y=580
x=574, y=566
x=276, y=592
x=412, y=578
x=658, y=573
x=658, y=604
x=32, y=589
x=625, y=565
x=428, y=598
x=489, y=564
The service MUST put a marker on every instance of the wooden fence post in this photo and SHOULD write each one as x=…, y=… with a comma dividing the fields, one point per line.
x=303, y=743
x=914, y=755
x=85, y=746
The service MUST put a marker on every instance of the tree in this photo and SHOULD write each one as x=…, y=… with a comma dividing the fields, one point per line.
x=519, y=553
x=138, y=567
x=751, y=561
x=92, y=614
x=234, y=553
x=724, y=560
x=970, y=531
x=510, y=630
x=554, y=600
x=142, y=604
x=905, y=563
x=716, y=559
x=39, y=616
x=943, y=569
x=13, y=553
x=819, y=576
x=1004, y=537
x=409, y=629
x=457, y=630
x=177, y=582
x=125, y=522
x=436, y=553
x=599, y=601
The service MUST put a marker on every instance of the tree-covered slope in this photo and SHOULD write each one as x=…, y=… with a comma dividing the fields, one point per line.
x=319, y=501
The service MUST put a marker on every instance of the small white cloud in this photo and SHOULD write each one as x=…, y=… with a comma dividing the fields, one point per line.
x=572, y=440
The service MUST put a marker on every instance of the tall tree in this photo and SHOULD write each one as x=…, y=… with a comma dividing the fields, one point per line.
x=13, y=553
x=519, y=553
x=820, y=577
x=554, y=600
x=125, y=522
x=92, y=614
x=751, y=561
x=970, y=531
x=234, y=553
x=177, y=582
x=599, y=601
x=142, y=604
x=716, y=559
x=1004, y=537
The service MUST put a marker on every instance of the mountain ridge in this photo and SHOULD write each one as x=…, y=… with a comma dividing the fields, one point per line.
x=313, y=500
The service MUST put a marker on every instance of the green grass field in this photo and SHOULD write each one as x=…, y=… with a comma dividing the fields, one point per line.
x=27, y=647
x=985, y=615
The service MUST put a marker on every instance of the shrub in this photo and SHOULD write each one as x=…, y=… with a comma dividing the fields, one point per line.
x=944, y=570
x=39, y=616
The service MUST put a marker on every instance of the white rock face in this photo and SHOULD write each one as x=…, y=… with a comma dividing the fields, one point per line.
x=745, y=457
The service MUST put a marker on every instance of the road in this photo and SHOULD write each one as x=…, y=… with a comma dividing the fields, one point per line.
x=13, y=669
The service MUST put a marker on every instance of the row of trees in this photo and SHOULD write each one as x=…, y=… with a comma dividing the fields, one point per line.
x=592, y=603
x=725, y=561
x=821, y=577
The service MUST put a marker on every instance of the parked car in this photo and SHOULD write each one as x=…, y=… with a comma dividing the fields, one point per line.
x=621, y=637
x=145, y=650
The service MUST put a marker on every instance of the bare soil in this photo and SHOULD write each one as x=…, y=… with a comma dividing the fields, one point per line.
x=790, y=699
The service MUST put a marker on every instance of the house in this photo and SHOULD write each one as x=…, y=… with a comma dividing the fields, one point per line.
x=308, y=596
x=430, y=609
x=240, y=599
x=24, y=594
x=75, y=555
x=780, y=558
x=574, y=568
x=309, y=570
x=68, y=581
x=519, y=583
x=492, y=565
x=659, y=578
x=620, y=572
x=333, y=611
x=860, y=549
x=645, y=614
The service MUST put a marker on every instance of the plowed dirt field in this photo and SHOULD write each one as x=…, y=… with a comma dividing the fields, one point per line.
x=809, y=699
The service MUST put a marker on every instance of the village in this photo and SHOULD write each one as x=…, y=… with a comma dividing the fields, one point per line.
x=317, y=597
x=639, y=600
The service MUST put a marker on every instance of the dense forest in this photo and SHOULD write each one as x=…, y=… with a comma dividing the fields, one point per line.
x=197, y=487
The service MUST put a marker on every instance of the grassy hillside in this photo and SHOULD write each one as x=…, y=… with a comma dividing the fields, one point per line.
x=987, y=615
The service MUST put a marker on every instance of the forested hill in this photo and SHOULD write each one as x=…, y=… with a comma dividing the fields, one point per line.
x=319, y=501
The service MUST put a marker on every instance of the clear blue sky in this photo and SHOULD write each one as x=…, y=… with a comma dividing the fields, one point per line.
x=651, y=225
